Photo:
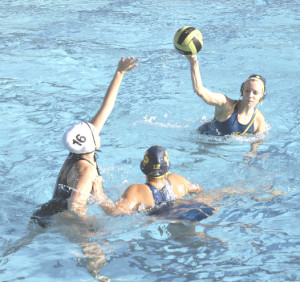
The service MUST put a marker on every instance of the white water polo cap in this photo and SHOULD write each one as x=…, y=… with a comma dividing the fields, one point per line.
x=81, y=138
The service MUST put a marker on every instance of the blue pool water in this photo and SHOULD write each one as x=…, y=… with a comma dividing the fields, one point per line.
x=57, y=59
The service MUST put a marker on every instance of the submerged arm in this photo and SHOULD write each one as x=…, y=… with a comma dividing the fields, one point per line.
x=254, y=146
x=259, y=129
x=253, y=149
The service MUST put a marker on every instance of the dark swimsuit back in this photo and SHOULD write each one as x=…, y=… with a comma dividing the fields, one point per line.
x=163, y=195
x=44, y=213
x=166, y=206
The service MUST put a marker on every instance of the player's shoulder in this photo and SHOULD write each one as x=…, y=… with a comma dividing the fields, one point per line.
x=260, y=116
x=136, y=189
x=174, y=178
x=83, y=166
x=138, y=193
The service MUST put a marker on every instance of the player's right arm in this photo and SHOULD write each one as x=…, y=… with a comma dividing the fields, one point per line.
x=208, y=96
x=221, y=102
x=108, y=103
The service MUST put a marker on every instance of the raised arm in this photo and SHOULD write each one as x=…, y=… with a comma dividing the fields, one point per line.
x=108, y=103
x=209, y=97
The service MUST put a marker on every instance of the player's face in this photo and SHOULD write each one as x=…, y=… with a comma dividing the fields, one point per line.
x=252, y=92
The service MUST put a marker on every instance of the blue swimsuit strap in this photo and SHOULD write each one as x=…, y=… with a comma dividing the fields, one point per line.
x=157, y=194
x=250, y=123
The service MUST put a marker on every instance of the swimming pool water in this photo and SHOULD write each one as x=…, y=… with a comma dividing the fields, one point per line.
x=57, y=59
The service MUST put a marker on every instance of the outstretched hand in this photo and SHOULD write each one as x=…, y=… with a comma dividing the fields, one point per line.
x=195, y=188
x=127, y=64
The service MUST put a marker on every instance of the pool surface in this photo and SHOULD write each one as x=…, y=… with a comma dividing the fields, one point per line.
x=57, y=59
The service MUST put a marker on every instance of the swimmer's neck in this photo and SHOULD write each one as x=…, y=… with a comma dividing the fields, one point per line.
x=90, y=157
x=244, y=109
x=158, y=183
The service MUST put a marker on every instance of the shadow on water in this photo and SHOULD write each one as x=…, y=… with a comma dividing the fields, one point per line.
x=83, y=232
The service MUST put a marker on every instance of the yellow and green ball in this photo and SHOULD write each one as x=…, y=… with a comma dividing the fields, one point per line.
x=188, y=40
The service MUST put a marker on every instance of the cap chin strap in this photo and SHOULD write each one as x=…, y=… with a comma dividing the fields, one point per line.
x=161, y=176
x=95, y=159
x=92, y=136
x=233, y=106
x=95, y=154
x=245, y=131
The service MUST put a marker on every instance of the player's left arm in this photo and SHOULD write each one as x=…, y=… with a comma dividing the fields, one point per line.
x=260, y=123
x=182, y=186
x=260, y=127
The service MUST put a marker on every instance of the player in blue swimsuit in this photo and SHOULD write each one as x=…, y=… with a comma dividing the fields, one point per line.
x=77, y=176
x=232, y=117
x=159, y=195
x=229, y=126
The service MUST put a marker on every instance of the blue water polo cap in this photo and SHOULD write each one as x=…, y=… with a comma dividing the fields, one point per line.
x=156, y=162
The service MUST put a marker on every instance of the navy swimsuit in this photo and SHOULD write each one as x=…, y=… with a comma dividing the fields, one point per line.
x=227, y=127
x=58, y=203
x=164, y=195
x=167, y=207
